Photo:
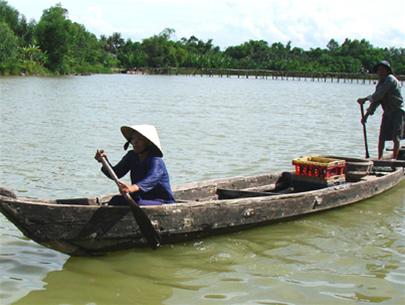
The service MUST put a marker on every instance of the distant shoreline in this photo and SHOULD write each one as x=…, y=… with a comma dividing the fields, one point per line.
x=239, y=73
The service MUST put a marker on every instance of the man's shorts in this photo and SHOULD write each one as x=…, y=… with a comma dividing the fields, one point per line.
x=393, y=126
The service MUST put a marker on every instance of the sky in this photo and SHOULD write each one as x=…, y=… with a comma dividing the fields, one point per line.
x=306, y=23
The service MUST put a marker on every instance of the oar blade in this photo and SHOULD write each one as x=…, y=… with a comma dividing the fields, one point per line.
x=146, y=227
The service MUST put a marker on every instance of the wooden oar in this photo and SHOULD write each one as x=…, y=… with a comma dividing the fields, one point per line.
x=146, y=227
x=364, y=131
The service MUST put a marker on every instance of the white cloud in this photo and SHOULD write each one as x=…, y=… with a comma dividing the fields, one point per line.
x=309, y=23
x=312, y=23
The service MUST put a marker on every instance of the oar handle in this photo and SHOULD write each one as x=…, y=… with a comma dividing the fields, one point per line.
x=113, y=175
x=364, y=130
x=362, y=111
x=110, y=171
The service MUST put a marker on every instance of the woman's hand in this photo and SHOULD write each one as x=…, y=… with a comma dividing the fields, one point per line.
x=126, y=188
x=100, y=154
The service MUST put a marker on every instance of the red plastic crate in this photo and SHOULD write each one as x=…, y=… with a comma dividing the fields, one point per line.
x=319, y=167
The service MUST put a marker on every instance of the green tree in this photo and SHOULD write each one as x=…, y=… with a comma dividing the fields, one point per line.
x=114, y=43
x=252, y=54
x=18, y=23
x=26, y=31
x=8, y=45
x=84, y=48
x=9, y=15
x=159, y=50
x=53, y=36
x=131, y=55
x=32, y=53
x=332, y=45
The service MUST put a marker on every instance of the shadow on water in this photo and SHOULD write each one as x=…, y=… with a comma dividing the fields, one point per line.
x=129, y=277
x=115, y=279
x=345, y=256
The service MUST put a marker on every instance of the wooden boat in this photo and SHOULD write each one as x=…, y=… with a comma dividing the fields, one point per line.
x=87, y=226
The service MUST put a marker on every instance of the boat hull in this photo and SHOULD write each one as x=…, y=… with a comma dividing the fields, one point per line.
x=93, y=229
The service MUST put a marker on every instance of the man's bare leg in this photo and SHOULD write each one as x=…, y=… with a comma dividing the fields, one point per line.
x=396, y=149
x=381, y=145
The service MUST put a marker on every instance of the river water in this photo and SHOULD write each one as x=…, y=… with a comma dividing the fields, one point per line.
x=209, y=128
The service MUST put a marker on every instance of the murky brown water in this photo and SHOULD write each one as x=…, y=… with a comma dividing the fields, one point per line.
x=209, y=127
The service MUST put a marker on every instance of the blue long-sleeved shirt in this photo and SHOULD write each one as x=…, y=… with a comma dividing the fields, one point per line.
x=150, y=175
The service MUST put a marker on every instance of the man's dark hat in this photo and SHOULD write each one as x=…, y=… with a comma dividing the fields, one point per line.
x=384, y=63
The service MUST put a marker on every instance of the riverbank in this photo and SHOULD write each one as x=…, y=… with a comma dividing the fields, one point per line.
x=34, y=69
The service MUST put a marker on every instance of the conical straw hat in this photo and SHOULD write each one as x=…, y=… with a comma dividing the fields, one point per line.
x=148, y=131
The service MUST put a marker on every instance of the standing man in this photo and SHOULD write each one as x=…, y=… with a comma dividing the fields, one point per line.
x=388, y=95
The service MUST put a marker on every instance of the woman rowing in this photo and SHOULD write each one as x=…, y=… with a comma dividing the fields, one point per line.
x=149, y=176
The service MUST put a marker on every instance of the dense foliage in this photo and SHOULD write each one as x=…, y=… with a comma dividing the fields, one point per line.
x=55, y=44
